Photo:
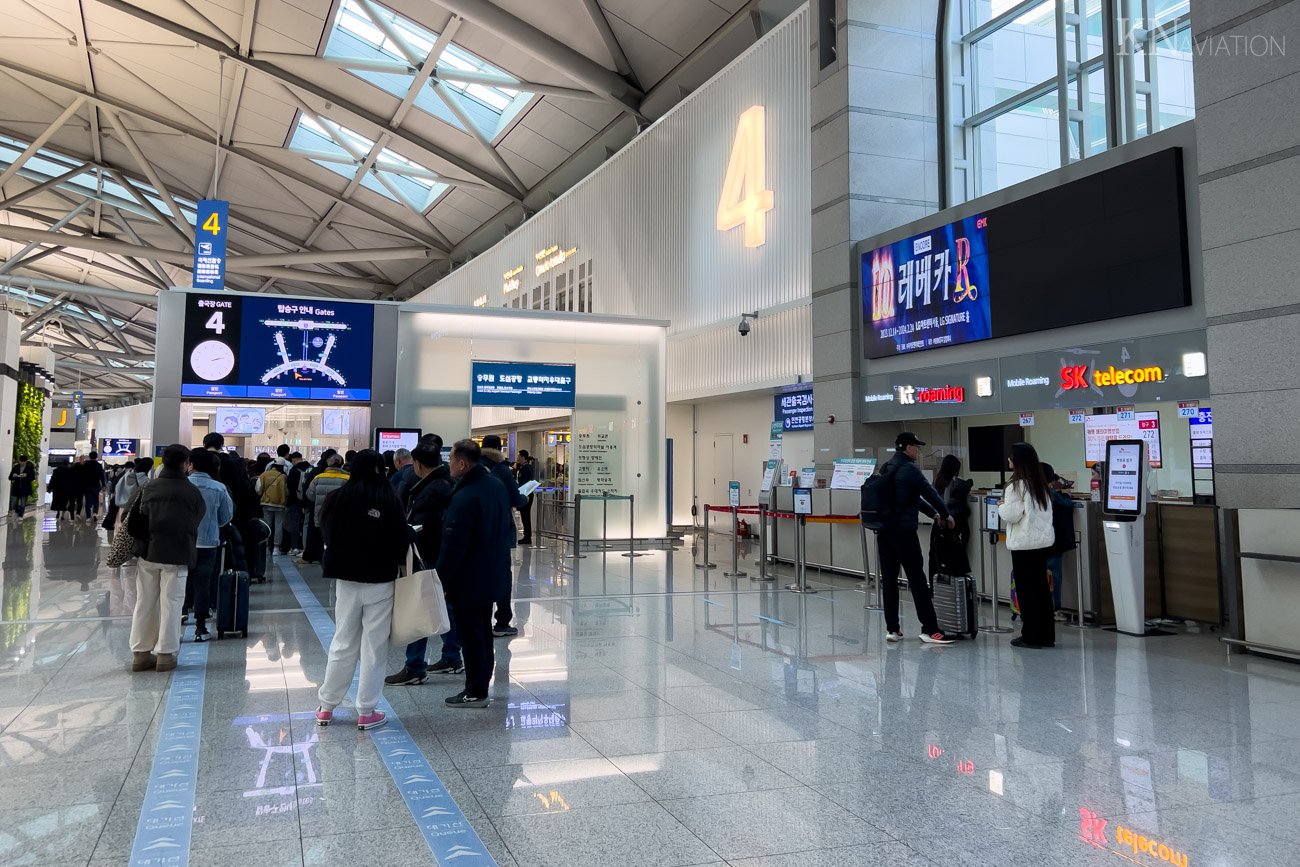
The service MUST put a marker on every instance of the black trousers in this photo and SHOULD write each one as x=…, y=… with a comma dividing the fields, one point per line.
x=902, y=549
x=1034, y=596
x=474, y=629
x=201, y=584
x=526, y=516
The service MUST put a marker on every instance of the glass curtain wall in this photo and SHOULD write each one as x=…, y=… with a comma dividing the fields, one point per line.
x=1038, y=84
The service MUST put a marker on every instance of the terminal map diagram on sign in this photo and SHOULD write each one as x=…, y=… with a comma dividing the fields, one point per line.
x=277, y=348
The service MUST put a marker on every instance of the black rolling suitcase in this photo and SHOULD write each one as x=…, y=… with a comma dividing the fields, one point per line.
x=954, y=603
x=232, y=601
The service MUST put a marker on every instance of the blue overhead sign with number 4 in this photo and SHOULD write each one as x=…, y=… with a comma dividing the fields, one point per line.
x=210, y=245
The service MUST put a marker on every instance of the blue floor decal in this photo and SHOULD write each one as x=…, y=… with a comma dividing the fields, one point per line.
x=448, y=833
x=166, y=817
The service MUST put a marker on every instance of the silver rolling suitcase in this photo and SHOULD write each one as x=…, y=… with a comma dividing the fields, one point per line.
x=954, y=603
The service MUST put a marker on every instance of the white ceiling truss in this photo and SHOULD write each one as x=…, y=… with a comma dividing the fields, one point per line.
x=366, y=147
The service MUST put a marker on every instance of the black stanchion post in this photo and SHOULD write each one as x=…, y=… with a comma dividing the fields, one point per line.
x=631, y=527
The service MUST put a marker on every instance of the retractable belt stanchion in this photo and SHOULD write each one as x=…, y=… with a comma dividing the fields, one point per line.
x=577, y=529
x=993, y=533
x=708, y=510
x=631, y=527
x=736, y=571
x=1078, y=577
x=762, y=544
x=870, y=579
x=800, y=557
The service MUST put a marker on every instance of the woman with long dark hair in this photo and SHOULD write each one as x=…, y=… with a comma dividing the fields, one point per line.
x=948, y=547
x=366, y=539
x=1026, y=511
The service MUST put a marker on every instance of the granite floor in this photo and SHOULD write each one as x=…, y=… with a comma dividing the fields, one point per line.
x=648, y=713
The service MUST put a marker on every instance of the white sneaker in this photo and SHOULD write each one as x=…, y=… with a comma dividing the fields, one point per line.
x=893, y=636
x=936, y=638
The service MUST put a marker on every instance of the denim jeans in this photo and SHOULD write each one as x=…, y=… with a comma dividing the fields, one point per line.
x=18, y=504
x=294, y=529
x=1054, y=565
x=415, y=661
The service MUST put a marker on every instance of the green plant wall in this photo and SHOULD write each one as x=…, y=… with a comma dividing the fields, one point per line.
x=27, y=423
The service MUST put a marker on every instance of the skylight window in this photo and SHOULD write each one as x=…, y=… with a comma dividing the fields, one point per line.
x=490, y=105
x=393, y=176
x=46, y=164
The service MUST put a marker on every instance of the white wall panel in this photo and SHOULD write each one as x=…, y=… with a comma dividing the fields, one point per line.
x=646, y=220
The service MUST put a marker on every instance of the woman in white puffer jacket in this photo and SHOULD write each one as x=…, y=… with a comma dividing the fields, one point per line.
x=1026, y=511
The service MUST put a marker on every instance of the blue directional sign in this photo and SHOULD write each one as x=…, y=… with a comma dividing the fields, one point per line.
x=210, y=244
x=504, y=383
x=794, y=409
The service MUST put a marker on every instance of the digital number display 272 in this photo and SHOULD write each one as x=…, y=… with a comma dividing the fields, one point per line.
x=276, y=348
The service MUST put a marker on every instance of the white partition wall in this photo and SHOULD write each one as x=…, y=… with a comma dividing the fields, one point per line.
x=619, y=384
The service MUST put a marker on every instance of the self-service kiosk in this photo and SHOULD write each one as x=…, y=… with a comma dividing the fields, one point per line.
x=1124, y=504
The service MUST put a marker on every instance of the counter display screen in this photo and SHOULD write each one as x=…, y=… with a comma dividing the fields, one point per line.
x=1098, y=430
x=118, y=447
x=276, y=348
x=927, y=291
x=518, y=384
x=1124, y=477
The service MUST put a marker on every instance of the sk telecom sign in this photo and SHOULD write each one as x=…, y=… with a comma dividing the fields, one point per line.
x=1077, y=376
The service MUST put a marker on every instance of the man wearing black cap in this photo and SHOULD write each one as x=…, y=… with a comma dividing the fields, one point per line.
x=898, y=542
x=494, y=460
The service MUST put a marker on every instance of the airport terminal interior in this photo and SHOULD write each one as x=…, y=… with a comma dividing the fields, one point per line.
x=649, y=432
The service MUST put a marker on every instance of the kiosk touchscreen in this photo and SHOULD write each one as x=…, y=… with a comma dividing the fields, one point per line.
x=1124, y=505
x=394, y=438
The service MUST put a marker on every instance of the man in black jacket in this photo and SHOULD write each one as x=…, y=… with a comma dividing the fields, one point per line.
x=474, y=564
x=425, y=508
x=494, y=462
x=526, y=473
x=234, y=476
x=171, y=509
x=93, y=482
x=295, y=503
x=898, y=542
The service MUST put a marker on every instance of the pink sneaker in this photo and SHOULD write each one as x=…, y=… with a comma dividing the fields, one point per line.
x=324, y=717
x=372, y=720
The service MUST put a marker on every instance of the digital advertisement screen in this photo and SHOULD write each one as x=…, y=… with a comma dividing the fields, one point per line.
x=1123, y=477
x=390, y=439
x=794, y=409
x=118, y=447
x=239, y=420
x=276, y=348
x=522, y=384
x=1101, y=429
x=928, y=290
x=1108, y=245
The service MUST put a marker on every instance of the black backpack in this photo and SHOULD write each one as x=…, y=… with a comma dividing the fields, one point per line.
x=878, y=494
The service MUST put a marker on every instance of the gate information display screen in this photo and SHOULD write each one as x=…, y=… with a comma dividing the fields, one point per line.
x=276, y=348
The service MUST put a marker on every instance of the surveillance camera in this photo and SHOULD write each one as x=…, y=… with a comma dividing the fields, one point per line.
x=743, y=327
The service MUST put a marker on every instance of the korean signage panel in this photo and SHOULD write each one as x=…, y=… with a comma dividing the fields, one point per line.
x=794, y=409
x=927, y=291
x=210, y=244
x=522, y=384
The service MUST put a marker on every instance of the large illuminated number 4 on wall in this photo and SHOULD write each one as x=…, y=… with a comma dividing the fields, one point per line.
x=745, y=199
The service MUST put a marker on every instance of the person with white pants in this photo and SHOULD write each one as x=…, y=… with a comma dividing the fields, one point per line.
x=363, y=616
x=170, y=511
x=366, y=539
x=156, y=623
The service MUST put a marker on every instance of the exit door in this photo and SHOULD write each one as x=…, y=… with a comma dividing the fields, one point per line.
x=723, y=470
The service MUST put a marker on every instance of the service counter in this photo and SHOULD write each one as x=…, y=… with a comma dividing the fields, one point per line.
x=1182, y=579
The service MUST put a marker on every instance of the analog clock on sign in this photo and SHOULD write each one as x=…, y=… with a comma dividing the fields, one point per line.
x=212, y=360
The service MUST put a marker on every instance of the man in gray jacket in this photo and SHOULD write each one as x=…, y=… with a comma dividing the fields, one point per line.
x=168, y=520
